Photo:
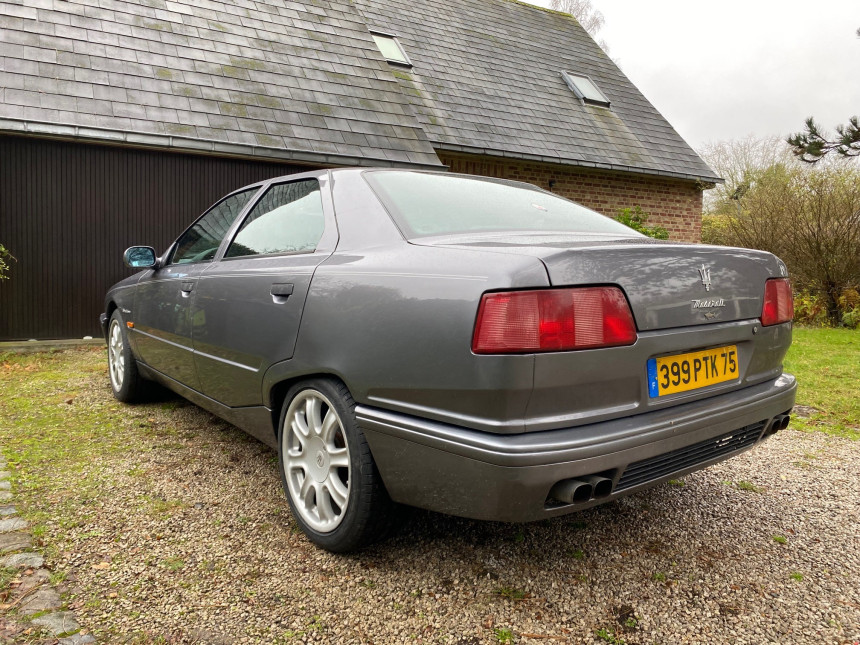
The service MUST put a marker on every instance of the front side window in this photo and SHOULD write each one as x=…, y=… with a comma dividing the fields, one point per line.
x=425, y=204
x=287, y=219
x=200, y=242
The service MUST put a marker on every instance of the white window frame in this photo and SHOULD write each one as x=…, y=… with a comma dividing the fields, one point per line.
x=570, y=79
x=381, y=34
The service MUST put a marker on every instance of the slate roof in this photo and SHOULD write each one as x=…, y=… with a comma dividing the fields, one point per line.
x=277, y=79
x=487, y=79
x=304, y=81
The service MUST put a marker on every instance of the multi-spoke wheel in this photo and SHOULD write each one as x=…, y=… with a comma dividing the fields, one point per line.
x=327, y=471
x=116, y=356
x=316, y=461
x=126, y=383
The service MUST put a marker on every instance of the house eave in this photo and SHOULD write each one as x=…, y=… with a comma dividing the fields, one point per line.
x=174, y=143
x=507, y=154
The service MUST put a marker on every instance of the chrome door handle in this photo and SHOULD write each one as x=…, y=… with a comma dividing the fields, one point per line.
x=186, y=288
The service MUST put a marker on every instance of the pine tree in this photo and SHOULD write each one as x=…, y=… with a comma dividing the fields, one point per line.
x=813, y=144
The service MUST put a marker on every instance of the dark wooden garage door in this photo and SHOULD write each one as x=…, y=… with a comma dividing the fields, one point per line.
x=69, y=210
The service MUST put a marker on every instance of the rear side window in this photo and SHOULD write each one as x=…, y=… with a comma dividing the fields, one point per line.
x=200, y=242
x=425, y=204
x=287, y=219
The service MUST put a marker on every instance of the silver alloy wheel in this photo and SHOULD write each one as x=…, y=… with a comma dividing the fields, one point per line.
x=316, y=460
x=116, y=356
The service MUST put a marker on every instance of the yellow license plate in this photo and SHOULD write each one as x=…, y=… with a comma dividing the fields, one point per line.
x=683, y=372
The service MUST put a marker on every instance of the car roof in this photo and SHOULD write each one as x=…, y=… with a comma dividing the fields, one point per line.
x=312, y=174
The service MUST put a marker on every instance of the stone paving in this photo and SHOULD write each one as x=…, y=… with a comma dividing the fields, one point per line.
x=33, y=597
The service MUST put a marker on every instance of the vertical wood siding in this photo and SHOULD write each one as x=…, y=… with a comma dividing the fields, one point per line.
x=69, y=210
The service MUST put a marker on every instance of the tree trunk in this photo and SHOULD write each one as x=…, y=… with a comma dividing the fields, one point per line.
x=831, y=295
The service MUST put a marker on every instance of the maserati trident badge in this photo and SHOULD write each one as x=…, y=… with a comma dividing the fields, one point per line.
x=705, y=273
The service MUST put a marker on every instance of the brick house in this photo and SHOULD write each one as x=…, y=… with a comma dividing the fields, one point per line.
x=121, y=121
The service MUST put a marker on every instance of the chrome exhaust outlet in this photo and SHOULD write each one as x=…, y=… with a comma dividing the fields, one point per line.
x=572, y=491
x=601, y=486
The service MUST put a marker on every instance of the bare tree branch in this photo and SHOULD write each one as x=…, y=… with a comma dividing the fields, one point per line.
x=807, y=215
x=586, y=14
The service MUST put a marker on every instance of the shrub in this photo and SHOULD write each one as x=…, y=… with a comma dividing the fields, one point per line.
x=809, y=217
x=5, y=258
x=717, y=229
x=849, y=304
x=636, y=218
x=810, y=309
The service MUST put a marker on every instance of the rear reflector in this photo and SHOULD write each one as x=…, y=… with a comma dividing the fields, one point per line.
x=553, y=320
x=778, y=304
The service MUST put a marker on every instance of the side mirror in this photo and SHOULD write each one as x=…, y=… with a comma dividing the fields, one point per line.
x=139, y=257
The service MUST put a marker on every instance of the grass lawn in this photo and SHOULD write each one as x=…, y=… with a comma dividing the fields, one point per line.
x=826, y=363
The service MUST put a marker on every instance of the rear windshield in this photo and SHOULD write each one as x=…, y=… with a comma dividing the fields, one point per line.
x=425, y=204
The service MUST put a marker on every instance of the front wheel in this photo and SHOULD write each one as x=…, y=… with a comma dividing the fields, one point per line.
x=327, y=471
x=125, y=381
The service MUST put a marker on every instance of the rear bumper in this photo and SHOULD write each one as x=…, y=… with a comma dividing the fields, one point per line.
x=487, y=476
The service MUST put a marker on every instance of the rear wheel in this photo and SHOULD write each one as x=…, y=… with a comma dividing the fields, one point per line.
x=127, y=384
x=328, y=473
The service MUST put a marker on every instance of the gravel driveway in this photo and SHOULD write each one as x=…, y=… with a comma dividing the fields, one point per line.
x=189, y=539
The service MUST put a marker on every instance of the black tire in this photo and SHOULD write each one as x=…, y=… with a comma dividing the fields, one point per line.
x=367, y=513
x=126, y=382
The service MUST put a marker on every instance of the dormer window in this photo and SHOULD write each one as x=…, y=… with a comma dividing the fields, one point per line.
x=585, y=89
x=391, y=49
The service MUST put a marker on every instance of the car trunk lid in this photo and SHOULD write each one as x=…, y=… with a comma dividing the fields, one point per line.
x=667, y=284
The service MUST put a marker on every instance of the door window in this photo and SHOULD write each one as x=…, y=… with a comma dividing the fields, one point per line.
x=200, y=242
x=287, y=219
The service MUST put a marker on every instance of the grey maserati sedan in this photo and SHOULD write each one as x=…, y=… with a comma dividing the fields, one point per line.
x=472, y=346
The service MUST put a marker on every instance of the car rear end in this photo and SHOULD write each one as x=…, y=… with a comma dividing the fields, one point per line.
x=650, y=360
x=702, y=381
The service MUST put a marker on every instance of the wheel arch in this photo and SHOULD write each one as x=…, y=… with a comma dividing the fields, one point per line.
x=111, y=307
x=278, y=393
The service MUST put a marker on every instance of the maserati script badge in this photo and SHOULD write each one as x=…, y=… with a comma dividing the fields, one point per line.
x=710, y=303
x=705, y=273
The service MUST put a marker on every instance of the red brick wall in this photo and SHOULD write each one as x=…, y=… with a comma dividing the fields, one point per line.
x=674, y=204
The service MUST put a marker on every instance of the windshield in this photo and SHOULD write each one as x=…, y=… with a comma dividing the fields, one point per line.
x=426, y=204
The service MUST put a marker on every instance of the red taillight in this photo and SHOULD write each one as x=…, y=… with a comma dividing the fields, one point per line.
x=553, y=320
x=778, y=304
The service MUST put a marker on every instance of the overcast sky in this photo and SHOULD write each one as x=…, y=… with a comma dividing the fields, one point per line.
x=724, y=70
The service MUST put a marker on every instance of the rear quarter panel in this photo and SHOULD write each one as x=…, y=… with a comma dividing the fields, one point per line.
x=395, y=323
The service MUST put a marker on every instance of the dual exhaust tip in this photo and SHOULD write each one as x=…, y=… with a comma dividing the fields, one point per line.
x=578, y=491
x=780, y=422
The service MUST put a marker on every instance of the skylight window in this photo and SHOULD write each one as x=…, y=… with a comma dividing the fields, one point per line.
x=391, y=49
x=585, y=89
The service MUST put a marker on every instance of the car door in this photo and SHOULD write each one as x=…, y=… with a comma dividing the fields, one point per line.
x=163, y=297
x=249, y=304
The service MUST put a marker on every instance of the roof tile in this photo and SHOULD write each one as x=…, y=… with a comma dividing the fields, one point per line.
x=479, y=62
